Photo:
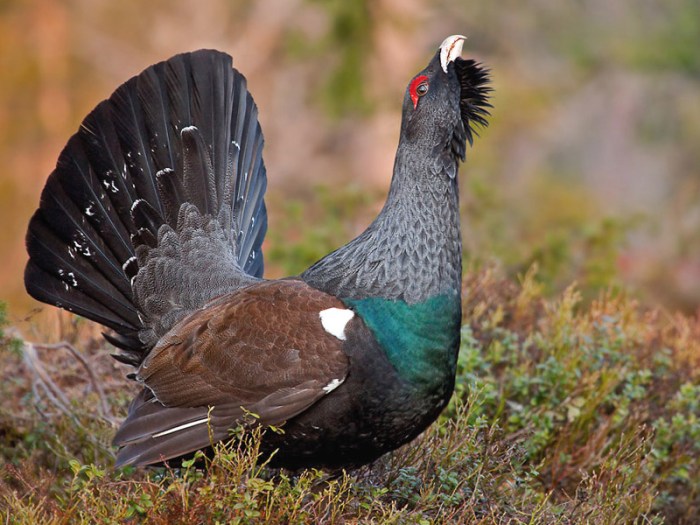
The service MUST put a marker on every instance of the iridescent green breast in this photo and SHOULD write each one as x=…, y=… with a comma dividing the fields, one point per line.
x=421, y=340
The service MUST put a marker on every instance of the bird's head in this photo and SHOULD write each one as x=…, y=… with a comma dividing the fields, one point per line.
x=446, y=101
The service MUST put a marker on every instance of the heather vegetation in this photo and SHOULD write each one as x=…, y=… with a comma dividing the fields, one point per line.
x=567, y=410
x=578, y=388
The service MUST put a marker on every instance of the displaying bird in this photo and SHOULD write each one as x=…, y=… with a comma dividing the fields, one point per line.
x=152, y=225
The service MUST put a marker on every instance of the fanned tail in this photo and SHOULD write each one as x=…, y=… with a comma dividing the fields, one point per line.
x=156, y=203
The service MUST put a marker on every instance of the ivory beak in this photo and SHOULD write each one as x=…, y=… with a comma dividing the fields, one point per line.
x=450, y=49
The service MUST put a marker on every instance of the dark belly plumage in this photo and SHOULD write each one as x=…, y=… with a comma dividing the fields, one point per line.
x=373, y=412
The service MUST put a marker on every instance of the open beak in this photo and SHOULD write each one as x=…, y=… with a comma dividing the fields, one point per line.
x=450, y=49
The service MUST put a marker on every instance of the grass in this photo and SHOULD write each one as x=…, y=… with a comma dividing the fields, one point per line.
x=564, y=412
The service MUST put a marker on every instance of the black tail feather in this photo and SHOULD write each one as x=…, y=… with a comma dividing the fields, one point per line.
x=172, y=194
x=50, y=288
x=198, y=173
x=133, y=136
x=146, y=217
x=74, y=232
x=183, y=131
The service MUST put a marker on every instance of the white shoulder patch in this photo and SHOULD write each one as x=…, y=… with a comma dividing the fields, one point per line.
x=334, y=321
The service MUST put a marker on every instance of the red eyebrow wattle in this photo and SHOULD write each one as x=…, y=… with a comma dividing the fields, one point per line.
x=412, y=89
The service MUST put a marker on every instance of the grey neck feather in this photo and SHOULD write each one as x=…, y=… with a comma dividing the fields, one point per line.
x=412, y=251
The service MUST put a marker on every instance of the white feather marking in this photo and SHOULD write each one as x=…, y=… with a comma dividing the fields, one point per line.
x=181, y=427
x=334, y=321
x=450, y=49
x=136, y=203
x=332, y=385
x=128, y=261
x=189, y=129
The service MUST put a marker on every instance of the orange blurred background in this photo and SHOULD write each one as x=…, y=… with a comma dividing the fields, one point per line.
x=591, y=166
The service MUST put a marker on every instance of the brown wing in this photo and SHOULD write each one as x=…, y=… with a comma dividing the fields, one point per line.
x=262, y=349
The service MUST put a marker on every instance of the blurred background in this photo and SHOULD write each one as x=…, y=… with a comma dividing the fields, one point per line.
x=590, y=168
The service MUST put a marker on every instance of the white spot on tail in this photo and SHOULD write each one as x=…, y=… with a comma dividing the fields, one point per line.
x=236, y=145
x=89, y=211
x=181, y=427
x=136, y=203
x=73, y=281
x=110, y=186
x=332, y=386
x=128, y=262
x=334, y=321
x=81, y=248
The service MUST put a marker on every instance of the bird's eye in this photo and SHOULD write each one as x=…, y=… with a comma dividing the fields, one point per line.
x=418, y=88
